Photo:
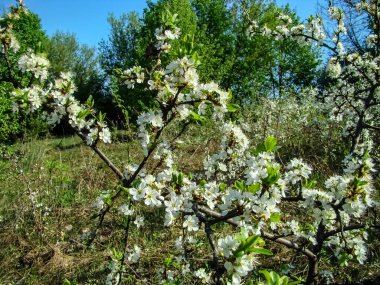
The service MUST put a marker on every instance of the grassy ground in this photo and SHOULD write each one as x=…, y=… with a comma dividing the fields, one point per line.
x=47, y=189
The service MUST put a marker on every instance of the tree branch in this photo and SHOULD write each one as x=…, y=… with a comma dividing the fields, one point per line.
x=208, y=231
x=265, y=235
x=347, y=228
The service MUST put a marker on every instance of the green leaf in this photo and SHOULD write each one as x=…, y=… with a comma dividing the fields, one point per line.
x=310, y=184
x=232, y=107
x=275, y=278
x=273, y=175
x=267, y=276
x=295, y=282
x=253, y=188
x=180, y=179
x=358, y=183
x=168, y=261
x=261, y=250
x=270, y=144
x=284, y=280
x=239, y=185
x=101, y=117
x=252, y=240
x=245, y=245
x=90, y=101
x=222, y=186
x=275, y=217
x=197, y=118
x=136, y=183
x=259, y=149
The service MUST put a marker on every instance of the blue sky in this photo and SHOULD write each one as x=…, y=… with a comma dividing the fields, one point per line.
x=88, y=19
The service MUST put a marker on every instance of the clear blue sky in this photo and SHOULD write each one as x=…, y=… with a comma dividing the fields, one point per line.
x=88, y=19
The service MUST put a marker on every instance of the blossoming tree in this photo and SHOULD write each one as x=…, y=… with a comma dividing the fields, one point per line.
x=352, y=91
x=242, y=186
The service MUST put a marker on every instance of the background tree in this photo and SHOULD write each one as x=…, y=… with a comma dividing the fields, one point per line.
x=216, y=28
x=266, y=67
x=131, y=42
x=216, y=37
x=27, y=29
x=66, y=54
x=121, y=47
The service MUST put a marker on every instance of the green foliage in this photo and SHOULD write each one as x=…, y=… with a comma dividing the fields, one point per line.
x=68, y=282
x=177, y=179
x=273, y=278
x=275, y=217
x=216, y=40
x=273, y=175
x=121, y=49
x=67, y=55
x=233, y=107
x=131, y=43
x=269, y=145
x=215, y=34
x=28, y=31
x=9, y=122
x=161, y=14
x=195, y=117
x=258, y=66
x=29, y=34
x=251, y=244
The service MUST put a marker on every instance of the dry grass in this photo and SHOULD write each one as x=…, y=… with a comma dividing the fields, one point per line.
x=47, y=189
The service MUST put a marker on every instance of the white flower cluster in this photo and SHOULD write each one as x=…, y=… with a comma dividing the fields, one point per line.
x=8, y=40
x=147, y=122
x=230, y=158
x=180, y=94
x=133, y=75
x=257, y=167
x=57, y=101
x=55, y=98
x=134, y=255
x=182, y=72
x=334, y=68
x=240, y=268
x=343, y=201
x=204, y=277
x=115, y=272
x=100, y=201
x=354, y=241
x=164, y=153
x=162, y=37
x=148, y=190
x=354, y=96
x=312, y=30
x=297, y=170
x=117, y=269
x=227, y=246
x=346, y=99
x=38, y=65
x=369, y=6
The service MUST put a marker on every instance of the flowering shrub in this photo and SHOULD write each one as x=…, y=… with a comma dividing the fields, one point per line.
x=320, y=142
x=352, y=92
x=241, y=185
